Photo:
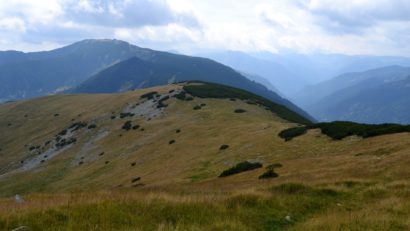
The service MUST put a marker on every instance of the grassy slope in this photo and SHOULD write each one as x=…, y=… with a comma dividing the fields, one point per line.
x=369, y=178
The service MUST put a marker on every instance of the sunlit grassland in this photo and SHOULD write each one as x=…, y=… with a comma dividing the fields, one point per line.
x=290, y=206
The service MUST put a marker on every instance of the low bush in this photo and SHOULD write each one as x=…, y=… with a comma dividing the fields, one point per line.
x=239, y=110
x=197, y=107
x=290, y=133
x=171, y=142
x=223, y=147
x=181, y=95
x=268, y=174
x=126, y=114
x=270, y=171
x=341, y=129
x=62, y=133
x=127, y=125
x=241, y=167
x=161, y=102
x=77, y=126
x=178, y=131
x=135, y=179
x=135, y=127
x=92, y=126
x=149, y=95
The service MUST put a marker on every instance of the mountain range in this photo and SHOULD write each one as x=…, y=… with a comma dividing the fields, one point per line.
x=379, y=95
x=108, y=66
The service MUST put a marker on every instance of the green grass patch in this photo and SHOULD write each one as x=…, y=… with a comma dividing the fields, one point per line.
x=279, y=211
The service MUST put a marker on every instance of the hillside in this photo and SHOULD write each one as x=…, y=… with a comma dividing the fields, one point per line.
x=152, y=159
x=166, y=68
x=374, y=96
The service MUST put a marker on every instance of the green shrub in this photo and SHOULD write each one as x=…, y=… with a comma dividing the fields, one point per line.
x=126, y=114
x=197, y=107
x=161, y=102
x=290, y=133
x=241, y=167
x=239, y=110
x=223, y=147
x=171, y=142
x=127, y=125
x=135, y=179
x=77, y=126
x=181, y=95
x=268, y=174
x=92, y=126
x=270, y=171
x=149, y=95
x=340, y=129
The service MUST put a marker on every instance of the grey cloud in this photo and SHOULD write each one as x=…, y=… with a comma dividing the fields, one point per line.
x=351, y=18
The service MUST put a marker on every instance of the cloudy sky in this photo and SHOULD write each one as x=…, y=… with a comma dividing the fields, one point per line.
x=322, y=26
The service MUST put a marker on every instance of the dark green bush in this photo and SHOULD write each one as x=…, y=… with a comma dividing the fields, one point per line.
x=270, y=171
x=239, y=110
x=92, y=126
x=223, y=147
x=149, y=95
x=268, y=174
x=135, y=179
x=135, y=127
x=171, y=142
x=126, y=114
x=290, y=133
x=161, y=102
x=197, y=107
x=127, y=125
x=241, y=167
x=77, y=126
x=341, y=129
x=181, y=95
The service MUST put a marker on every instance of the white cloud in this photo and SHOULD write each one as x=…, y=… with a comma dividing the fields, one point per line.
x=357, y=27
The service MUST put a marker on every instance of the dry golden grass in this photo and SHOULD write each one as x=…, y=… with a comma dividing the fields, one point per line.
x=185, y=173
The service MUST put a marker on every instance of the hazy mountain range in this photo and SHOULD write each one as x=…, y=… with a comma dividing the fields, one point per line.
x=376, y=96
x=102, y=66
x=290, y=73
x=108, y=66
